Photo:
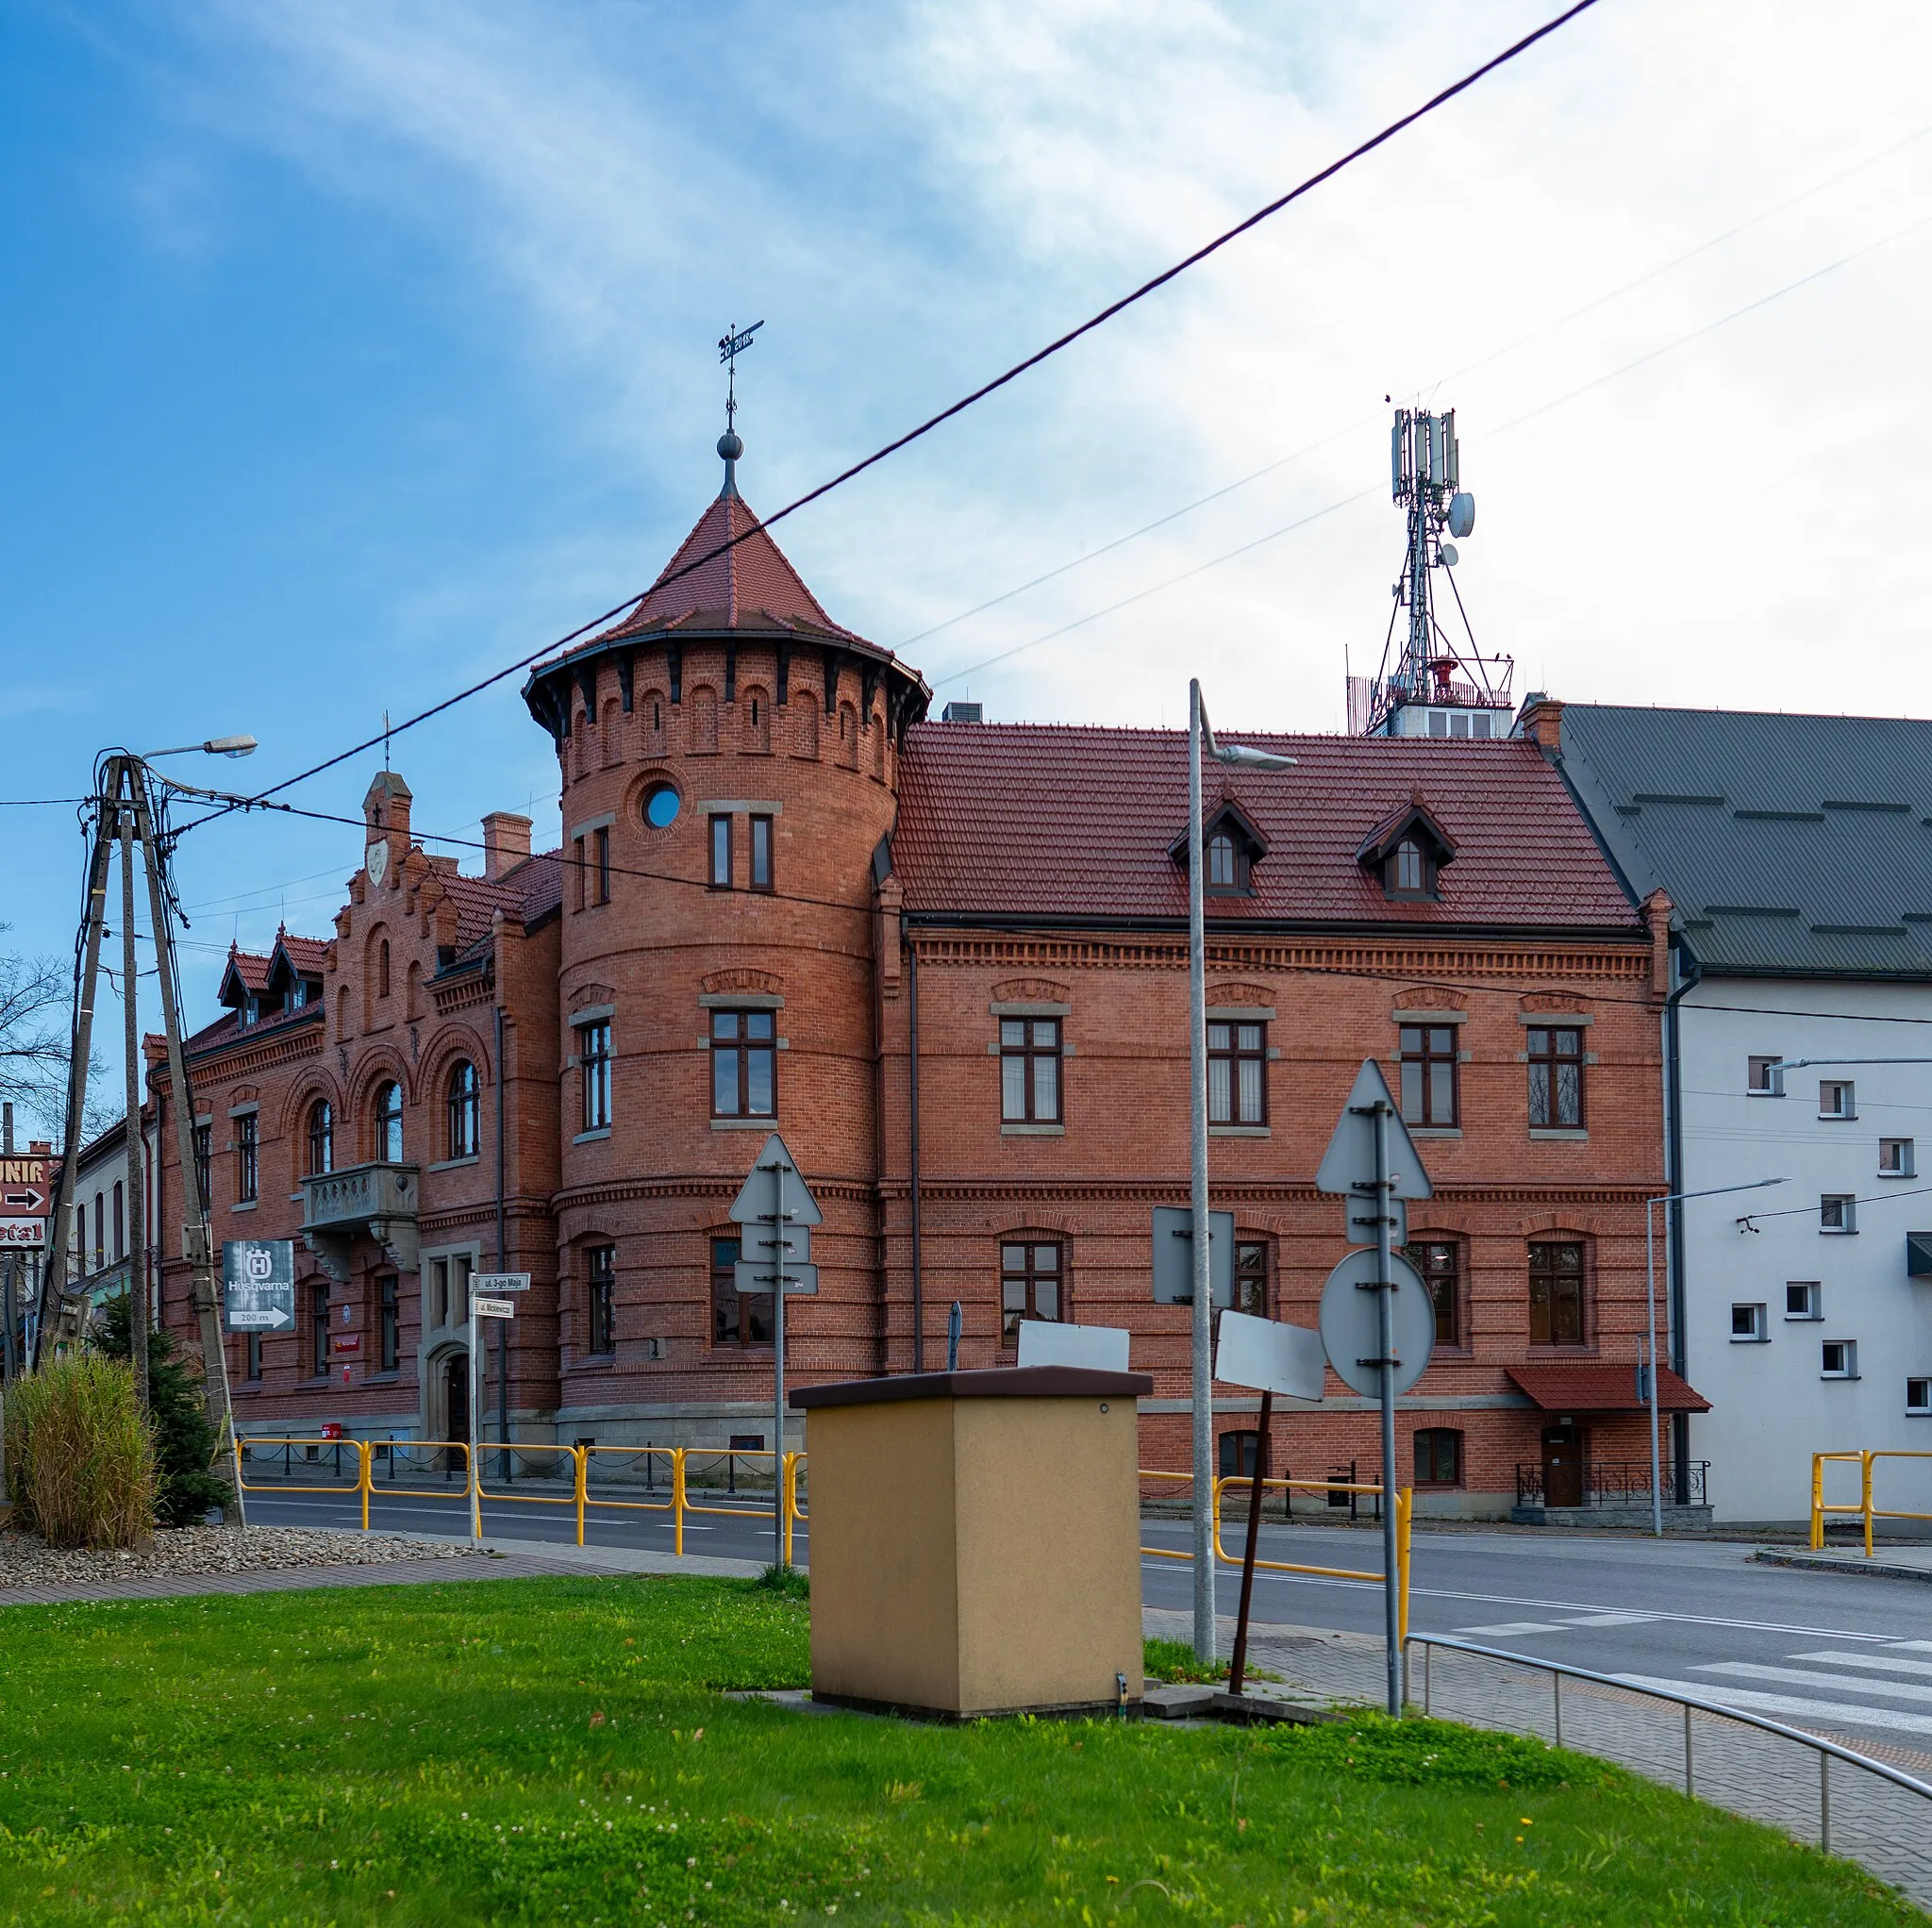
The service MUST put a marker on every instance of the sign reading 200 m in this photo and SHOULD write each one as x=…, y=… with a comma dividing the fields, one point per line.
x=258, y=1285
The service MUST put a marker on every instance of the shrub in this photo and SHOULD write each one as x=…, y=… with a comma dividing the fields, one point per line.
x=186, y=1440
x=80, y=1458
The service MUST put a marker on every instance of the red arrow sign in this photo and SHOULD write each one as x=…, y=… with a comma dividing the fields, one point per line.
x=26, y=1190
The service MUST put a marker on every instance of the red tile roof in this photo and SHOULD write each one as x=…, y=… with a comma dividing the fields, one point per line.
x=750, y=585
x=1601, y=1390
x=248, y=968
x=309, y=956
x=1067, y=819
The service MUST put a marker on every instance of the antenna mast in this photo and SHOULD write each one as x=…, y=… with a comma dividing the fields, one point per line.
x=1418, y=691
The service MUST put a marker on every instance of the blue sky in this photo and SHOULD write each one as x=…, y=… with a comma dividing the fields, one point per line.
x=348, y=351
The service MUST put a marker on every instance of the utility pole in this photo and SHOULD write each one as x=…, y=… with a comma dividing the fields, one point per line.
x=10, y=1278
x=1201, y=1326
x=60, y=1310
x=130, y=1136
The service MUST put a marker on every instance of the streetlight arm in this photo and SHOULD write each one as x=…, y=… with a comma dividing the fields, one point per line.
x=1253, y=759
x=213, y=746
x=1796, y=1064
x=1715, y=1191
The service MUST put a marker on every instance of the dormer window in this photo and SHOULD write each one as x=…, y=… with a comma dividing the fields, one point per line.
x=1227, y=867
x=1406, y=851
x=1231, y=846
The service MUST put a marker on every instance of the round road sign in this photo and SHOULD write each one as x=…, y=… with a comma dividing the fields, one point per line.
x=1350, y=1323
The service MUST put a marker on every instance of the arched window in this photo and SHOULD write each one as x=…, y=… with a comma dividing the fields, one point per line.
x=382, y=969
x=462, y=1110
x=321, y=1138
x=1223, y=863
x=1405, y=872
x=389, y=1124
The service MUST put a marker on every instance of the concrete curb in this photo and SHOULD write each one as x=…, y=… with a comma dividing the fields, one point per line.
x=1876, y=1568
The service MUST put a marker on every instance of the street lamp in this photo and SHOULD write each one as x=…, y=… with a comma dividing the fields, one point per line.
x=214, y=746
x=1650, y=1205
x=1202, y=1333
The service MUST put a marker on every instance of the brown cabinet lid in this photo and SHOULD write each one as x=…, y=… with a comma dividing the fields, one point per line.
x=1007, y=1382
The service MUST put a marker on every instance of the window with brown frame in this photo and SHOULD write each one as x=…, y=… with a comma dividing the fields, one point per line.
x=1237, y=1072
x=593, y=1059
x=1430, y=1075
x=577, y=864
x=1556, y=1075
x=1032, y=1284
x=600, y=844
x=1407, y=872
x=721, y=853
x=1438, y=1457
x=1557, y=1311
x=1228, y=868
x=737, y=1319
x=321, y=1138
x=247, y=1159
x=1440, y=1261
x=1251, y=1277
x=762, y=853
x=389, y=1124
x=600, y=1300
x=745, y=1064
x=1030, y=1070
x=462, y=1106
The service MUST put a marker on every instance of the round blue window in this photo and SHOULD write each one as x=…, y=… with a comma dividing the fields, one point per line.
x=661, y=804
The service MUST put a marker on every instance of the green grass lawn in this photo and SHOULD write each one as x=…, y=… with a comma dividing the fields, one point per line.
x=560, y=1752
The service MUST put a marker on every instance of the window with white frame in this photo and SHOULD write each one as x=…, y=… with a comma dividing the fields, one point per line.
x=1838, y=1098
x=1895, y=1159
x=1764, y=1077
x=1803, y=1299
x=1747, y=1325
x=1918, y=1396
x=1836, y=1212
x=1838, y=1359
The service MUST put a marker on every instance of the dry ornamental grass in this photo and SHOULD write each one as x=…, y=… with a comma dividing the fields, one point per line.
x=80, y=1458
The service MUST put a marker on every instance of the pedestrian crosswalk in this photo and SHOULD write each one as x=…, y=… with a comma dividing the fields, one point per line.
x=1822, y=1688
x=1557, y=1626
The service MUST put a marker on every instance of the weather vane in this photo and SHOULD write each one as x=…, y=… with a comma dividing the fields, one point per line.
x=731, y=346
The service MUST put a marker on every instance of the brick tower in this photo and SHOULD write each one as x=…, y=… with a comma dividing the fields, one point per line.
x=729, y=762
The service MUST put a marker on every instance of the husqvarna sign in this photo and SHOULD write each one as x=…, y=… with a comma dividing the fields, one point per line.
x=258, y=1285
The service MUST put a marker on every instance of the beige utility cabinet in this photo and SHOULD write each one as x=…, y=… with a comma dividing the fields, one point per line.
x=976, y=1540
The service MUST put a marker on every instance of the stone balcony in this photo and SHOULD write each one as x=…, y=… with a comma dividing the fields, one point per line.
x=381, y=1200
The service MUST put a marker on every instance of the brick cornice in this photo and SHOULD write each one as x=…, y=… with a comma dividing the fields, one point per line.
x=1397, y=959
x=1255, y=1191
x=619, y=1190
x=288, y=1044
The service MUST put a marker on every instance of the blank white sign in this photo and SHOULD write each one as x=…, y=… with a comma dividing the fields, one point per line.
x=1269, y=1356
x=1048, y=1342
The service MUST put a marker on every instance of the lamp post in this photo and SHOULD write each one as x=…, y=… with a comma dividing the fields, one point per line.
x=1650, y=1205
x=1201, y=1342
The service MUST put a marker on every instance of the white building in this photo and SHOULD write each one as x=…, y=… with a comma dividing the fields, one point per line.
x=1797, y=855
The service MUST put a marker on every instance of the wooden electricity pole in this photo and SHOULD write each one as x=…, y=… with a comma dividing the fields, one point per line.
x=131, y=1138
x=131, y=820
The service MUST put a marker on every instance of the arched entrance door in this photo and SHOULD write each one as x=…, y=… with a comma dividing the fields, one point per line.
x=455, y=1406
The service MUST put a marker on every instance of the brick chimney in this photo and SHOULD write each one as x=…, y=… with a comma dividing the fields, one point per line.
x=1541, y=721
x=505, y=841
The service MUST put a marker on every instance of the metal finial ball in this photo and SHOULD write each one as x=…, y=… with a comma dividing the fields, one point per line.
x=730, y=446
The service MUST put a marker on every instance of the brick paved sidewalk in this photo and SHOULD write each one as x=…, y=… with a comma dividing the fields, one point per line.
x=1757, y=1775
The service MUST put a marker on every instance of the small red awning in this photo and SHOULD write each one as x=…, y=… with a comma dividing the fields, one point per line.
x=1603, y=1390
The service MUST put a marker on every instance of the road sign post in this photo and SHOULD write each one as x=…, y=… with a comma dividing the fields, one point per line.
x=482, y=1306
x=1372, y=1156
x=778, y=1210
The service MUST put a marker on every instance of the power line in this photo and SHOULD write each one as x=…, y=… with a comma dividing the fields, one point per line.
x=1359, y=152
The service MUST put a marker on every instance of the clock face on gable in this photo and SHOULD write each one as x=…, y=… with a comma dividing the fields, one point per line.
x=376, y=860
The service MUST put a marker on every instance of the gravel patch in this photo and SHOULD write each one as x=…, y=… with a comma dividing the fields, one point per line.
x=189, y=1551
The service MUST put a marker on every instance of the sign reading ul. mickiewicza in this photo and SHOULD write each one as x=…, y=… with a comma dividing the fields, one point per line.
x=258, y=1285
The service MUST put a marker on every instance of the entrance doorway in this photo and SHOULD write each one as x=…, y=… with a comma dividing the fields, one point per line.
x=1562, y=1466
x=456, y=1408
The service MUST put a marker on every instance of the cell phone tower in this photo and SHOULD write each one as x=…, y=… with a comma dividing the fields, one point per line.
x=1429, y=684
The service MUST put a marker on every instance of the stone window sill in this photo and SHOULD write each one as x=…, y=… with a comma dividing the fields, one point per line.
x=598, y=1362
x=1032, y=1131
x=583, y=1138
x=1435, y=1131
x=1238, y=1131
x=383, y=1378
x=243, y=1205
x=455, y=1164
x=744, y=1123
x=1559, y=1134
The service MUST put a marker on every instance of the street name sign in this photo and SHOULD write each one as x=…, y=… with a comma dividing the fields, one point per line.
x=1351, y=1329
x=493, y=1308
x=1270, y=1356
x=258, y=1285
x=1053, y=1343
x=499, y=1282
x=1174, y=1256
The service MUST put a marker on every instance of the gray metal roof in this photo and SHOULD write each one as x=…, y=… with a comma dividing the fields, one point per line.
x=1789, y=844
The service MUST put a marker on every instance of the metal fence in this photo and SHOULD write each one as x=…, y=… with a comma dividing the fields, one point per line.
x=1620, y=1483
x=1862, y=1508
x=1847, y=1801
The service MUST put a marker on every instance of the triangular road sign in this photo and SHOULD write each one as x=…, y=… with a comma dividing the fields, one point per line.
x=1349, y=1163
x=775, y=1186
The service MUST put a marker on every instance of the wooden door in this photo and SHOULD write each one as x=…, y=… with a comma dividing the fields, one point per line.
x=1562, y=1466
x=455, y=1406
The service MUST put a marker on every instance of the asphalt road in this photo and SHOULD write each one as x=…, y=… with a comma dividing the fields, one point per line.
x=1842, y=1653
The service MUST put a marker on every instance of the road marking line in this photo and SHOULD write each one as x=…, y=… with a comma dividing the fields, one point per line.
x=1798, y=1676
x=1915, y=1646
x=1612, y=1620
x=1515, y=1627
x=1877, y=1662
x=1783, y=1704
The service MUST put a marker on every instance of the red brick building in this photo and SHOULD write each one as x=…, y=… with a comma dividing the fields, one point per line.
x=949, y=961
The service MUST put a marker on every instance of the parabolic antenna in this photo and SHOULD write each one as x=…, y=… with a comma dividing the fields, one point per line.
x=1461, y=514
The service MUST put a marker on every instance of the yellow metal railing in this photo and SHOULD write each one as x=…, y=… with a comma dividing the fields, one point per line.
x=574, y=1467
x=1862, y=1508
x=1242, y=1484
